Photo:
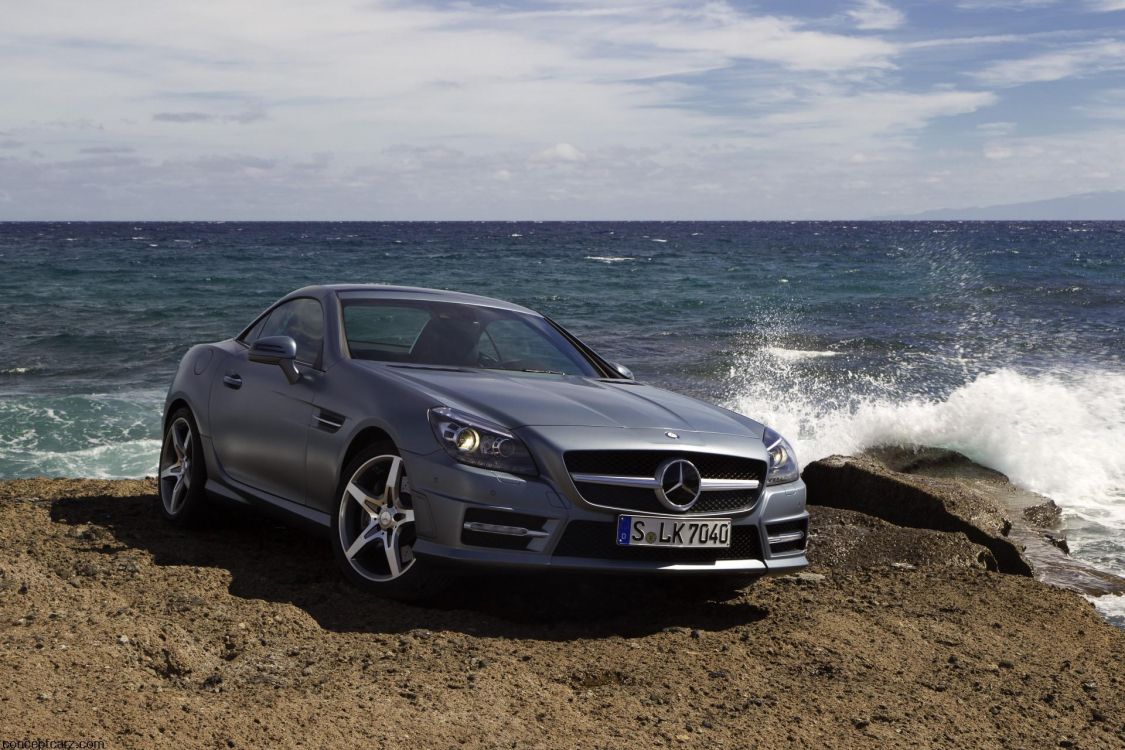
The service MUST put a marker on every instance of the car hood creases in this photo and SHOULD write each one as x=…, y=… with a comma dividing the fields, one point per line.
x=532, y=400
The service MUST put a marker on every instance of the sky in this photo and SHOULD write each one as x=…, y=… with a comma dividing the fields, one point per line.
x=330, y=109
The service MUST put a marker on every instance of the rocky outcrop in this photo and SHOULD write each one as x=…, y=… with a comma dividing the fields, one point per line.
x=925, y=489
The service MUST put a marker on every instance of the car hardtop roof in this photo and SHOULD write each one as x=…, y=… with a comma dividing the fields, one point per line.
x=410, y=293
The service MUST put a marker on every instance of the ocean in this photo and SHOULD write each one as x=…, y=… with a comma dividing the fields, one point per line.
x=1002, y=340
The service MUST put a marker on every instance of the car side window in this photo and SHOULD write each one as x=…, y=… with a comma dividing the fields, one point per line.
x=383, y=332
x=302, y=320
x=255, y=330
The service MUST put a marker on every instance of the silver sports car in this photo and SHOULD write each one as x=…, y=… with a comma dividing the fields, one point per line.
x=425, y=427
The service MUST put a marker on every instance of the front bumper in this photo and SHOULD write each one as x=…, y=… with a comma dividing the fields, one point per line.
x=570, y=534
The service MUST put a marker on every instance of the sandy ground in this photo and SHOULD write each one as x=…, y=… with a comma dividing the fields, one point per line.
x=116, y=627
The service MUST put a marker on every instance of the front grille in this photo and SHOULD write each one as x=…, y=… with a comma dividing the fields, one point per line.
x=644, y=500
x=598, y=540
x=645, y=463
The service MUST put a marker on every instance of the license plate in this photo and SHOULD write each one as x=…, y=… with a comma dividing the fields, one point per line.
x=646, y=531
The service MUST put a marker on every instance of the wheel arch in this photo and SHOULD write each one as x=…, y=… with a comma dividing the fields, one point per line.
x=366, y=437
x=175, y=405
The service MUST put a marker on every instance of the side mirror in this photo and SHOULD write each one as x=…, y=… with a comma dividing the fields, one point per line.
x=280, y=351
x=622, y=370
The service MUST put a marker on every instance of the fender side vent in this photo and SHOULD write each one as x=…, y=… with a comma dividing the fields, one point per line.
x=328, y=421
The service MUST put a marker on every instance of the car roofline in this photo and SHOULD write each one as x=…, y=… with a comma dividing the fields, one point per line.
x=389, y=291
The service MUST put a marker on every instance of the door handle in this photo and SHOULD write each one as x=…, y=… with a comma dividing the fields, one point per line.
x=232, y=381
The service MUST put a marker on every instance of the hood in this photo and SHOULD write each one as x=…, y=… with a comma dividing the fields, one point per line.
x=534, y=400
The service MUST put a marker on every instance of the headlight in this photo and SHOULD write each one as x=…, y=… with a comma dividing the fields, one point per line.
x=783, y=462
x=478, y=442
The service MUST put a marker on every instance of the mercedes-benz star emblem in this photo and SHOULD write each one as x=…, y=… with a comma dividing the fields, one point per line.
x=680, y=484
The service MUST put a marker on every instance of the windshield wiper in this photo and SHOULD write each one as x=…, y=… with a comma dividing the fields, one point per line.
x=542, y=372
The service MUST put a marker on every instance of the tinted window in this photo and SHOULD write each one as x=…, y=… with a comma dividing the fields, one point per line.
x=255, y=330
x=383, y=331
x=517, y=345
x=303, y=320
x=458, y=335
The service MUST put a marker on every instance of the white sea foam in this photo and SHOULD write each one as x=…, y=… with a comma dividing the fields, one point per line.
x=609, y=258
x=796, y=354
x=118, y=460
x=1111, y=607
x=1062, y=435
x=1059, y=434
x=104, y=436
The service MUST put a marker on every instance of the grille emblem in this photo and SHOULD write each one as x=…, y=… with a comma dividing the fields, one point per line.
x=679, y=484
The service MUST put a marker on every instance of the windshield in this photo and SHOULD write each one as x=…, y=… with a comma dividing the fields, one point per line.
x=458, y=335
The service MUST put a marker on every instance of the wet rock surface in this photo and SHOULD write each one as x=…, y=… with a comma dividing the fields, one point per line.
x=944, y=490
x=242, y=634
x=925, y=489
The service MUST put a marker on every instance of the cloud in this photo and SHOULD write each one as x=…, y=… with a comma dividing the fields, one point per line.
x=874, y=115
x=183, y=117
x=720, y=32
x=106, y=150
x=875, y=15
x=386, y=109
x=996, y=128
x=560, y=152
x=1005, y=4
x=241, y=118
x=10, y=143
x=1078, y=60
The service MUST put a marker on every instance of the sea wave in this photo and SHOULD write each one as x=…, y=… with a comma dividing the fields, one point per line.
x=1061, y=434
x=796, y=354
x=608, y=258
x=123, y=459
x=104, y=436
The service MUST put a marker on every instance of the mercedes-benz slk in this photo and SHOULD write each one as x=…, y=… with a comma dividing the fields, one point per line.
x=424, y=428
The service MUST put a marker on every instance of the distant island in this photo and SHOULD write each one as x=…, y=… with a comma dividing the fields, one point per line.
x=1100, y=206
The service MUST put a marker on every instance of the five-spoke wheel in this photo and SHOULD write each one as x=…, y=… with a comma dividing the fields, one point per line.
x=182, y=474
x=376, y=522
x=373, y=531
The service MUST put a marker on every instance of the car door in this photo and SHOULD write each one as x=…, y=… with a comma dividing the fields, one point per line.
x=259, y=421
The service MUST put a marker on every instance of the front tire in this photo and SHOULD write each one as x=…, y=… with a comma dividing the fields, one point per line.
x=373, y=531
x=183, y=472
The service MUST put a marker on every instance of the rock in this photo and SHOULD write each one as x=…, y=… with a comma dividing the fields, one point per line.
x=880, y=484
x=806, y=577
x=123, y=639
x=1045, y=515
x=903, y=566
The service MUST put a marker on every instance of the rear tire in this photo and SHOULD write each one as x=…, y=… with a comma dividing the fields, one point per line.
x=183, y=472
x=373, y=530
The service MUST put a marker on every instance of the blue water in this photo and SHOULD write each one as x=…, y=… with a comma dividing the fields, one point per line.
x=1002, y=340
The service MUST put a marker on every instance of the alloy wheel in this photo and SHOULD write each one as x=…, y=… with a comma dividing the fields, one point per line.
x=376, y=520
x=175, y=466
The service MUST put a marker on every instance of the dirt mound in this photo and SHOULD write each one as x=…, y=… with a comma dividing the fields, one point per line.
x=116, y=627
